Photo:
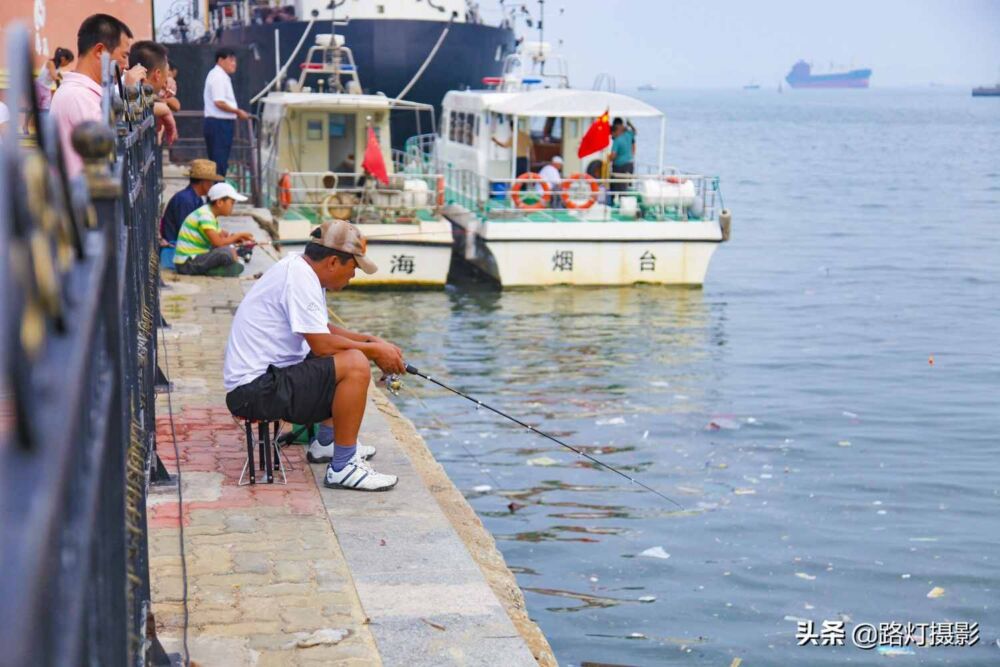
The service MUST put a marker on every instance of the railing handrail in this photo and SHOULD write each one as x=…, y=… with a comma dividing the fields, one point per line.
x=84, y=291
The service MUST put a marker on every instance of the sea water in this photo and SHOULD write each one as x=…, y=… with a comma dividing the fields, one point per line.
x=826, y=409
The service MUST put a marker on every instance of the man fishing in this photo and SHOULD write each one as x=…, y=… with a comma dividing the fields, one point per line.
x=284, y=359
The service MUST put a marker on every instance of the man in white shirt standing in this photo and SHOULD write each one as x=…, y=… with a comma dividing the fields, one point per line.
x=284, y=359
x=552, y=172
x=221, y=111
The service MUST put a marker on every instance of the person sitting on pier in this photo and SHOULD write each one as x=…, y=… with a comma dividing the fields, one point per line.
x=284, y=360
x=202, y=246
x=202, y=177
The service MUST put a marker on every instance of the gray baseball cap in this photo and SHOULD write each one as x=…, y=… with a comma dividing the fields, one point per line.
x=346, y=237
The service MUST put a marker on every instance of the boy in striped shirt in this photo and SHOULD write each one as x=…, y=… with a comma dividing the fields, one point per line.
x=201, y=244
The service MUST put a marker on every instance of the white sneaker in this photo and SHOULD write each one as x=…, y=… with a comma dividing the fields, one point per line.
x=318, y=453
x=359, y=476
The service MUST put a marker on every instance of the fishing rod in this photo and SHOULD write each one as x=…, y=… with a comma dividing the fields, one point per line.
x=415, y=371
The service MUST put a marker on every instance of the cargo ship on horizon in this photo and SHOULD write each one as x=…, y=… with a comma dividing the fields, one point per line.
x=801, y=76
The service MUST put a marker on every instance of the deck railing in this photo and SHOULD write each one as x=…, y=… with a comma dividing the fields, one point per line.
x=79, y=278
x=409, y=197
x=670, y=196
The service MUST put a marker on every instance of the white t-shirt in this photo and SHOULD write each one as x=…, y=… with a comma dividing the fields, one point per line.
x=218, y=88
x=551, y=175
x=285, y=303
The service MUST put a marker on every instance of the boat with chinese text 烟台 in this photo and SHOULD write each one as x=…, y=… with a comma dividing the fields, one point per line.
x=312, y=142
x=597, y=227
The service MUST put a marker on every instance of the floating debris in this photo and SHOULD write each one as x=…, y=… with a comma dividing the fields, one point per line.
x=655, y=552
x=850, y=415
x=542, y=461
x=513, y=507
x=647, y=598
x=736, y=662
x=436, y=626
x=843, y=443
x=723, y=422
x=744, y=492
x=636, y=635
x=319, y=638
x=659, y=383
x=807, y=577
x=904, y=576
x=930, y=360
x=482, y=488
x=613, y=421
x=935, y=593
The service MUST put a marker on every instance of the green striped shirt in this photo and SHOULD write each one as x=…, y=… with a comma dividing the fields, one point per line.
x=192, y=239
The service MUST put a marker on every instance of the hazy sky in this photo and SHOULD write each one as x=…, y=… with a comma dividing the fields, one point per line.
x=731, y=42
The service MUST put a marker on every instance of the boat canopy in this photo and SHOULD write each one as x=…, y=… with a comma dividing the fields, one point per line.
x=567, y=103
x=327, y=100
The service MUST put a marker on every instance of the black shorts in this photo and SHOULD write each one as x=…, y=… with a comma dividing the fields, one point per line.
x=301, y=393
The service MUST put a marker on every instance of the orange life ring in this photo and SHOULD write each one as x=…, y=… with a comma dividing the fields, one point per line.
x=676, y=180
x=568, y=183
x=285, y=190
x=527, y=178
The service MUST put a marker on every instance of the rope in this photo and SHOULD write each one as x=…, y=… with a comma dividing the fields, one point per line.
x=288, y=62
x=427, y=61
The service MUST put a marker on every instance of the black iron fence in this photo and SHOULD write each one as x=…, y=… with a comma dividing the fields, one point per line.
x=79, y=287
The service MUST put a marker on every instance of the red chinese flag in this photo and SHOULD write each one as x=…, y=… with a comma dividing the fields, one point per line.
x=373, y=162
x=597, y=138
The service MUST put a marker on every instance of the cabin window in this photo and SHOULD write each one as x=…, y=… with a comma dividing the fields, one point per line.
x=452, y=123
x=467, y=126
x=314, y=130
x=337, y=126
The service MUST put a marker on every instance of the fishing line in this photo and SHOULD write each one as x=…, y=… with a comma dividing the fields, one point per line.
x=482, y=469
x=180, y=505
x=415, y=371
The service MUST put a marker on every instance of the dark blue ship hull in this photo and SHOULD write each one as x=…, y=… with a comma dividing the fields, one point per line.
x=801, y=76
x=388, y=52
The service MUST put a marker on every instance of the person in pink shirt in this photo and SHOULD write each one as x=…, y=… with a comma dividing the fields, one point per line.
x=78, y=99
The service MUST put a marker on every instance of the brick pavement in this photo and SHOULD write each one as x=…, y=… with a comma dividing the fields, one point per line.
x=263, y=562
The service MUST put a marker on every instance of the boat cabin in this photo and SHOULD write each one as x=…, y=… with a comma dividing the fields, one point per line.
x=556, y=120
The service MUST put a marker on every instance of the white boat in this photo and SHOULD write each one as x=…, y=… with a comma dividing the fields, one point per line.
x=312, y=142
x=660, y=225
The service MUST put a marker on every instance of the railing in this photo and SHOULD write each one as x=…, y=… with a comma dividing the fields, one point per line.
x=79, y=278
x=662, y=197
x=244, y=158
x=318, y=196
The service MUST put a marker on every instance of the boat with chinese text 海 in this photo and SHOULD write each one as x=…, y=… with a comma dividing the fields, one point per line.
x=317, y=148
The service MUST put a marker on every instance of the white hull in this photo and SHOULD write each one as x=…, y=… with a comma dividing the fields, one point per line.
x=613, y=253
x=407, y=255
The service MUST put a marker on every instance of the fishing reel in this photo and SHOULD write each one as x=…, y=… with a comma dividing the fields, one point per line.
x=245, y=252
x=393, y=383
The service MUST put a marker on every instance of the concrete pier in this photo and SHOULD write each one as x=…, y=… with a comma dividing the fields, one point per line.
x=298, y=574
